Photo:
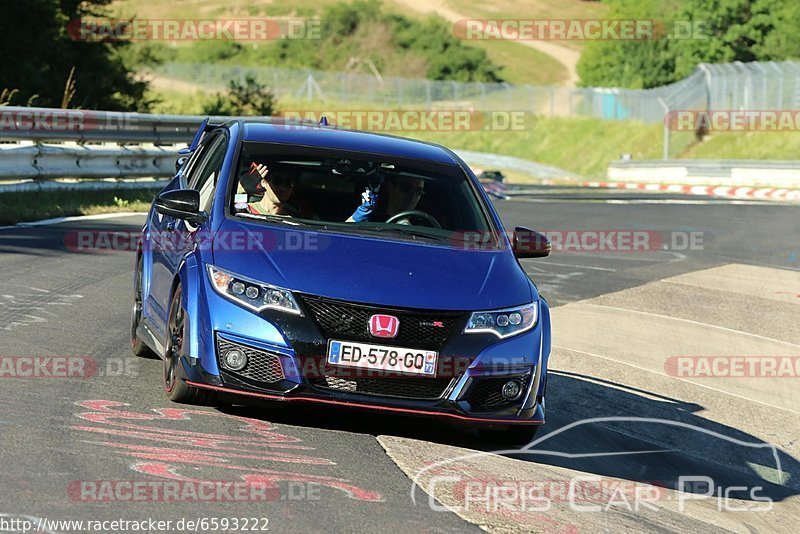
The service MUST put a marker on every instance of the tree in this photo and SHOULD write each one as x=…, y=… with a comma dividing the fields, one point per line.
x=731, y=30
x=635, y=64
x=739, y=30
x=39, y=56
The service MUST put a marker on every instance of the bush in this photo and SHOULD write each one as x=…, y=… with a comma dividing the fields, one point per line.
x=250, y=98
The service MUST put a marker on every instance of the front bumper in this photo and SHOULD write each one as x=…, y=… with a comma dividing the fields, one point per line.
x=472, y=368
x=443, y=410
x=468, y=394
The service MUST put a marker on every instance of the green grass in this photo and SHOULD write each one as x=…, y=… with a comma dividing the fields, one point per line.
x=580, y=145
x=522, y=65
x=23, y=207
x=533, y=9
x=747, y=145
x=586, y=146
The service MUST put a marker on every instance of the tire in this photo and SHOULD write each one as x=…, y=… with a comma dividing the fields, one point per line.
x=175, y=387
x=513, y=435
x=138, y=347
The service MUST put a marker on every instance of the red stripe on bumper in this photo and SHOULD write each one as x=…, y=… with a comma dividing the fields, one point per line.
x=366, y=406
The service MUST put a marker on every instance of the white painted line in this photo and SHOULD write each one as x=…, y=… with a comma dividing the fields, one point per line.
x=689, y=321
x=580, y=266
x=675, y=378
x=627, y=256
x=59, y=220
x=720, y=202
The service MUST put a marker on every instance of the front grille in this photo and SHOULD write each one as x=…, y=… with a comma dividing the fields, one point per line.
x=262, y=366
x=487, y=393
x=403, y=387
x=418, y=330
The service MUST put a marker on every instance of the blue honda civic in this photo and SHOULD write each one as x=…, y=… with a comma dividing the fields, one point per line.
x=308, y=264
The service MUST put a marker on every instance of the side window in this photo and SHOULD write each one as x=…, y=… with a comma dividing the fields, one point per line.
x=196, y=157
x=203, y=177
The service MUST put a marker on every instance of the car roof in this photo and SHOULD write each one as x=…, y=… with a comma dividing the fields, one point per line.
x=351, y=140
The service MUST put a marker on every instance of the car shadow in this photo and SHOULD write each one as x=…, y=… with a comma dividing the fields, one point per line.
x=595, y=427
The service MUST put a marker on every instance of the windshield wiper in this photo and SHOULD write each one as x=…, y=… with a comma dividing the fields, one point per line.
x=283, y=219
x=406, y=230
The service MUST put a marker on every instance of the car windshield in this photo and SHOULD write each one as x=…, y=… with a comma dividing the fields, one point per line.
x=408, y=199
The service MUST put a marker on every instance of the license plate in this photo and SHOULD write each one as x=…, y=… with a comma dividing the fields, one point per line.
x=369, y=356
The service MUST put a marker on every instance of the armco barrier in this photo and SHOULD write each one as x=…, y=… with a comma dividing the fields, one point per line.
x=727, y=173
x=69, y=160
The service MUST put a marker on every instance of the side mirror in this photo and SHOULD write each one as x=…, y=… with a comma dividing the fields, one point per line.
x=181, y=204
x=180, y=162
x=528, y=243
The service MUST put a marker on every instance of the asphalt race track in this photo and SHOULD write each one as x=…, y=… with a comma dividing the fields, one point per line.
x=643, y=396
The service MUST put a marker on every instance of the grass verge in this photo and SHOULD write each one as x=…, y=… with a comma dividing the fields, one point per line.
x=581, y=145
x=25, y=207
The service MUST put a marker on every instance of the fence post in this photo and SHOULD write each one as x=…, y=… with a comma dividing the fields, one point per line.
x=666, y=127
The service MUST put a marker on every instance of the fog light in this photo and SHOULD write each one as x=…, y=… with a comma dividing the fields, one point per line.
x=512, y=390
x=235, y=360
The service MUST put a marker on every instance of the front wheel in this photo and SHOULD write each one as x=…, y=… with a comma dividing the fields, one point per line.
x=513, y=435
x=175, y=386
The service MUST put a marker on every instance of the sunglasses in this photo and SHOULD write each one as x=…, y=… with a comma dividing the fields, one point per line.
x=409, y=189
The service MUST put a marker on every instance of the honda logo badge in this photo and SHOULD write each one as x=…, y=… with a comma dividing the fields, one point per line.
x=384, y=325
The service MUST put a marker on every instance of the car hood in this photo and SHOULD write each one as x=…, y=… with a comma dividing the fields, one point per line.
x=373, y=270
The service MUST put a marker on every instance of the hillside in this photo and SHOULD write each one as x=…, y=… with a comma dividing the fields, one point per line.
x=538, y=63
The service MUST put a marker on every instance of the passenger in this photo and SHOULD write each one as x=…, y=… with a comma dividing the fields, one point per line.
x=278, y=188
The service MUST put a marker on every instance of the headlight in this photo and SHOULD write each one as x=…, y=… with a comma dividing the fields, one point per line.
x=251, y=294
x=504, y=323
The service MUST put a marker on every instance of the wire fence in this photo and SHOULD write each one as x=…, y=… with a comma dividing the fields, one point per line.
x=732, y=86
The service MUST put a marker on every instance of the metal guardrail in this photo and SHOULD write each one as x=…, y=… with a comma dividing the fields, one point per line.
x=47, y=162
x=745, y=173
x=80, y=126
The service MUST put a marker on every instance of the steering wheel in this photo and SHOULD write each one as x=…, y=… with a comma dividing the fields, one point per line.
x=412, y=214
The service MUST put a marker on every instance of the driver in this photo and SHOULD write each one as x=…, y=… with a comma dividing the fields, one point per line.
x=400, y=193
